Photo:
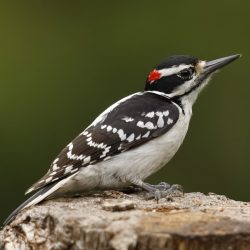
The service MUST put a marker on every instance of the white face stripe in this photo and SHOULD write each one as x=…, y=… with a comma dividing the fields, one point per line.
x=183, y=88
x=191, y=83
x=173, y=70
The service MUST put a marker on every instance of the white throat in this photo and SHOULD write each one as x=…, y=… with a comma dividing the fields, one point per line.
x=190, y=98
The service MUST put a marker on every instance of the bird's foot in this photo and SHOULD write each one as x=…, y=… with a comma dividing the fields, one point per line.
x=163, y=190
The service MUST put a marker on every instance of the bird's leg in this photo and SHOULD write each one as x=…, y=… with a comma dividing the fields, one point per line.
x=161, y=186
x=161, y=190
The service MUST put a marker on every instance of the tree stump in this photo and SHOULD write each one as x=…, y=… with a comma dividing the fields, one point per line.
x=118, y=221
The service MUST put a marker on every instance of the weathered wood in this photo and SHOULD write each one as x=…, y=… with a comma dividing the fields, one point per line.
x=117, y=221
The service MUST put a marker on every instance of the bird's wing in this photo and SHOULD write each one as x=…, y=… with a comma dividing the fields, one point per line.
x=126, y=124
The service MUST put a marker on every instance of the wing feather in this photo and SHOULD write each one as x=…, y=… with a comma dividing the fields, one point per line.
x=131, y=123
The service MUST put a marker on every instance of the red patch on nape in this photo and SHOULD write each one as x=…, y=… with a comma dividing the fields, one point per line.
x=154, y=75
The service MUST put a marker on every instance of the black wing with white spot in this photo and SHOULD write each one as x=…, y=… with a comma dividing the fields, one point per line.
x=127, y=124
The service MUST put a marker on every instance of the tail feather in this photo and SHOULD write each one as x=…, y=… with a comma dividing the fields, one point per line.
x=36, y=198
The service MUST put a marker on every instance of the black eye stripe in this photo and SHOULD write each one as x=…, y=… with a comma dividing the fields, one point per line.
x=186, y=74
x=169, y=82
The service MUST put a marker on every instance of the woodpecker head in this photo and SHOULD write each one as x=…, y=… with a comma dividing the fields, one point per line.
x=184, y=76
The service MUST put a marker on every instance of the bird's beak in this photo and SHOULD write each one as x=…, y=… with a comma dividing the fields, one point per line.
x=212, y=66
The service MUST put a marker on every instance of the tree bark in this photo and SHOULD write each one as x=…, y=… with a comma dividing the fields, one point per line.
x=118, y=221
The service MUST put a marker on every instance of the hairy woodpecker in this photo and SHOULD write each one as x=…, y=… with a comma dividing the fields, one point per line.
x=133, y=138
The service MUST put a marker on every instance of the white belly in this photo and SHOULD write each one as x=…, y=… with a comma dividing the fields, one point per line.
x=141, y=162
x=132, y=165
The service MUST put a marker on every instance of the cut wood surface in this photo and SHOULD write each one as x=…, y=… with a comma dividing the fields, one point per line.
x=114, y=220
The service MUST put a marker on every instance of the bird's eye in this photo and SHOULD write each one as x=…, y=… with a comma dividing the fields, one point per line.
x=186, y=74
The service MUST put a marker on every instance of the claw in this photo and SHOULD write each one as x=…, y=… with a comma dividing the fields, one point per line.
x=168, y=192
x=174, y=191
x=157, y=195
x=177, y=187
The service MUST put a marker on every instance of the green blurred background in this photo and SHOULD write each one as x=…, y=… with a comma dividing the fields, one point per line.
x=63, y=62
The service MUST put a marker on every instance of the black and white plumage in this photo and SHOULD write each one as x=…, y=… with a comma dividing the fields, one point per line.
x=132, y=122
x=134, y=137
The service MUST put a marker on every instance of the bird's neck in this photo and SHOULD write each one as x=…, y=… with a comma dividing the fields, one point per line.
x=187, y=100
